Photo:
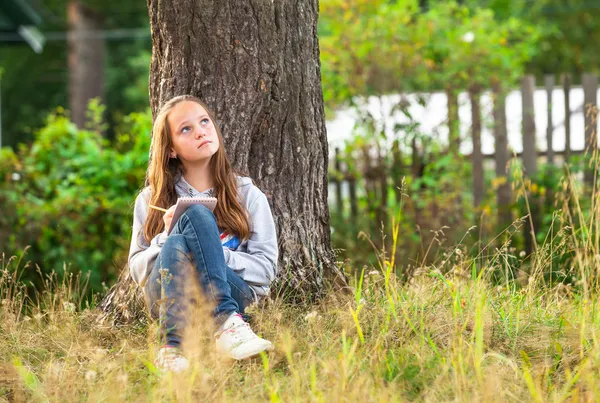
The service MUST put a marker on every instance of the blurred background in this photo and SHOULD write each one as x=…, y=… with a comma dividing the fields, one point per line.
x=448, y=121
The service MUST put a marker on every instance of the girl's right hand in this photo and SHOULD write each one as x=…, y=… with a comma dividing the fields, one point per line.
x=168, y=216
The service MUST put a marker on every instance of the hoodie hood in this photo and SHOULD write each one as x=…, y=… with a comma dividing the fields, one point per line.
x=184, y=189
x=243, y=181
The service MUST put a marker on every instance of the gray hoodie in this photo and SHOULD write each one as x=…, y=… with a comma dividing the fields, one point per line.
x=254, y=260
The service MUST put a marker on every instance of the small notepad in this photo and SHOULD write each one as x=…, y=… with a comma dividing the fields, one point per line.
x=184, y=202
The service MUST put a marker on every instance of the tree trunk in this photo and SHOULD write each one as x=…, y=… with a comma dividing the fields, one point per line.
x=503, y=195
x=257, y=65
x=477, y=157
x=86, y=59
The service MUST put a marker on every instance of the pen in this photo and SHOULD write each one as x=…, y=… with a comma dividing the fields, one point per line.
x=157, y=208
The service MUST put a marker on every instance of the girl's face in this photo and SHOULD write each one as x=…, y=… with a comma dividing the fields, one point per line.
x=193, y=133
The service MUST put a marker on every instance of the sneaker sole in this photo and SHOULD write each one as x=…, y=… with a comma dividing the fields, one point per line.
x=250, y=353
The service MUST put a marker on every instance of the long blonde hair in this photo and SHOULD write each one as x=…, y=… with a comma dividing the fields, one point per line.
x=163, y=171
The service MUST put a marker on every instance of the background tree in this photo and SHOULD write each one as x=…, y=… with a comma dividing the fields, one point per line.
x=38, y=83
x=86, y=59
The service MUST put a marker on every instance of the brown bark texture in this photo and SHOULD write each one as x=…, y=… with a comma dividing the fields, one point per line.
x=85, y=59
x=256, y=64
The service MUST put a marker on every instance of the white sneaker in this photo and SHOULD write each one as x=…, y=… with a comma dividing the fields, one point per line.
x=170, y=359
x=238, y=341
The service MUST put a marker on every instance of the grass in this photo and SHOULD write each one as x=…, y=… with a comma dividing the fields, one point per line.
x=438, y=339
x=464, y=328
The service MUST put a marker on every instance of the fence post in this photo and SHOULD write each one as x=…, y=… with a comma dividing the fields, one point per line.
x=529, y=155
x=453, y=122
x=397, y=169
x=589, y=82
x=549, y=84
x=529, y=151
x=503, y=194
x=566, y=80
x=338, y=182
x=370, y=185
x=383, y=176
x=477, y=157
x=353, y=202
x=416, y=168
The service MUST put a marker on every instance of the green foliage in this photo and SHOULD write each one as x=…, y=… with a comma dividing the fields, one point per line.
x=568, y=27
x=573, y=27
x=374, y=48
x=437, y=211
x=422, y=201
x=69, y=195
x=369, y=47
x=470, y=48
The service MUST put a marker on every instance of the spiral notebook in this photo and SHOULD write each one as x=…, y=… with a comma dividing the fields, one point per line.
x=184, y=202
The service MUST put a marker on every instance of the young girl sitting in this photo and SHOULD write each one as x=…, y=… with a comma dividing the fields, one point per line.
x=231, y=255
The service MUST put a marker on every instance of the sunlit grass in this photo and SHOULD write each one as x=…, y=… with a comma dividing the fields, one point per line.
x=439, y=338
x=490, y=327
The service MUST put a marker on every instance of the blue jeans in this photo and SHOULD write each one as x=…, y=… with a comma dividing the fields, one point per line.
x=194, y=258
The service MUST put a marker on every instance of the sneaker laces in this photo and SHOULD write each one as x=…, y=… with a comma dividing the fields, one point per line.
x=240, y=331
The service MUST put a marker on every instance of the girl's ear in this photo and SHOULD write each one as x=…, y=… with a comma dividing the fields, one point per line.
x=172, y=154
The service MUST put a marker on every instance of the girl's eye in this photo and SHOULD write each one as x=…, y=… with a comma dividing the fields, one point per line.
x=186, y=129
x=205, y=121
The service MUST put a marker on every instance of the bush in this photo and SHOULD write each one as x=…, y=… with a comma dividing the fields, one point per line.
x=70, y=194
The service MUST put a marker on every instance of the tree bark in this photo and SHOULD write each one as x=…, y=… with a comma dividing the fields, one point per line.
x=85, y=60
x=256, y=64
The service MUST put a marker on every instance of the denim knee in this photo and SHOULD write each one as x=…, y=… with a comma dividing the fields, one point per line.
x=177, y=242
x=176, y=249
x=200, y=214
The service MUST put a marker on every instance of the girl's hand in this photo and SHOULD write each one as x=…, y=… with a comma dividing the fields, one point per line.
x=168, y=216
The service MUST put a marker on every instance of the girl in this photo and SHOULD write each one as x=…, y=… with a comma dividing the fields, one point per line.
x=231, y=255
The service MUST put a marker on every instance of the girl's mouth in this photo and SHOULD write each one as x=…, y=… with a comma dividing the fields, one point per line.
x=203, y=143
